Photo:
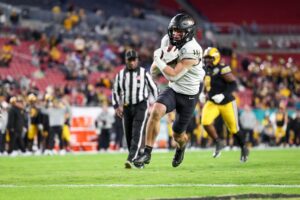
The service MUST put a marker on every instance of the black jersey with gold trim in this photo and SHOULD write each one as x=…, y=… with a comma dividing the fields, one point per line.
x=215, y=83
x=35, y=115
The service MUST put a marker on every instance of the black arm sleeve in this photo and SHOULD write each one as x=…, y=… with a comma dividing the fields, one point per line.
x=231, y=87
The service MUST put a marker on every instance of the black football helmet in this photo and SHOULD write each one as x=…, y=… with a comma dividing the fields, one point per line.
x=185, y=23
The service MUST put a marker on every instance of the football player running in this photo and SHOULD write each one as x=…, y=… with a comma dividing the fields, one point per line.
x=179, y=60
x=219, y=85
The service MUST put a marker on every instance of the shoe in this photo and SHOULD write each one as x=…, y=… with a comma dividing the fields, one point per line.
x=244, y=154
x=138, y=166
x=37, y=153
x=178, y=158
x=62, y=152
x=14, y=154
x=143, y=159
x=129, y=165
x=219, y=147
x=27, y=153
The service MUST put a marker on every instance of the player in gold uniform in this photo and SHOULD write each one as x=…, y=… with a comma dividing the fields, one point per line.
x=219, y=85
x=35, y=127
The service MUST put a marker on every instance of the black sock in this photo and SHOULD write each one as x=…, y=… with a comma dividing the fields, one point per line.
x=217, y=140
x=148, y=149
x=239, y=138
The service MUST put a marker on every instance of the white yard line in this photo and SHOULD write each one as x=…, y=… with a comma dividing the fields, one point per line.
x=146, y=185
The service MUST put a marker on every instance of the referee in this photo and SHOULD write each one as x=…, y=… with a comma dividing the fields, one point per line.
x=132, y=87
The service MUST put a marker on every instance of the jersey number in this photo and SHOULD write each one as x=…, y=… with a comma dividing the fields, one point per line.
x=196, y=52
x=207, y=83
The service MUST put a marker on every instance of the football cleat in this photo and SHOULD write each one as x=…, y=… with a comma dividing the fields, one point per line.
x=219, y=147
x=143, y=159
x=130, y=165
x=139, y=166
x=178, y=157
x=244, y=154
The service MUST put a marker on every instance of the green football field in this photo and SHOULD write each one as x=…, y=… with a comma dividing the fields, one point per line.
x=103, y=176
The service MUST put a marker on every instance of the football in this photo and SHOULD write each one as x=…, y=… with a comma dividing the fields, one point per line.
x=170, y=47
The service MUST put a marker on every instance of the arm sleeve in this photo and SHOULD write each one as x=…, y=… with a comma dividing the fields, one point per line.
x=116, y=92
x=231, y=86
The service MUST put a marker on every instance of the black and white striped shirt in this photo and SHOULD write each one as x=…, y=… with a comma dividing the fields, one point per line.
x=132, y=87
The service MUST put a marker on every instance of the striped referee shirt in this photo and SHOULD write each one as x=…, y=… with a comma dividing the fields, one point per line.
x=132, y=87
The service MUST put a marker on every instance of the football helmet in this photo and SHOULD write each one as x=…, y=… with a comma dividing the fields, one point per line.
x=212, y=52
x=31, y=97
x=185, y=23
x=13, y=100
x=48, y=97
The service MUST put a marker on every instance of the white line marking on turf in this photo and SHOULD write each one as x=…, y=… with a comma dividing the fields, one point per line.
x=147, y=185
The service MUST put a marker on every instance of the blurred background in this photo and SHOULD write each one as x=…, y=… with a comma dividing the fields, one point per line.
x=68, y=51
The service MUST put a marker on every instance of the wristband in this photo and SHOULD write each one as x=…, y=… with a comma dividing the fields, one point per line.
x=160, y=64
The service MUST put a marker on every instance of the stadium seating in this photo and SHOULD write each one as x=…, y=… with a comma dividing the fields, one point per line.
x=252, y=11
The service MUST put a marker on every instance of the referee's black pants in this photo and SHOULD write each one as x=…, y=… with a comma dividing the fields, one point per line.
x=134, y=122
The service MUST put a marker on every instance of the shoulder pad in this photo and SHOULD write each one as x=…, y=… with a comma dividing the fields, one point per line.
x=225, y=69
x=191, y=50
x=165, y=41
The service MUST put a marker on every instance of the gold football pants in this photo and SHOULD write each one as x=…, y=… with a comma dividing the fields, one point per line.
x=229, y=113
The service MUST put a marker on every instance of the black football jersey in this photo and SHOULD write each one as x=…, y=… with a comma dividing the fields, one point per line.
x=215, y=83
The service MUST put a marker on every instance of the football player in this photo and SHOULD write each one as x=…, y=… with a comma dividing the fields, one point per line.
x=185, y=76
x=35, y=117
x=219, y=85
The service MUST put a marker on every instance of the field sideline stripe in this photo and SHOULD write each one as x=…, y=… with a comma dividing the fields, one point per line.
x=147, y=185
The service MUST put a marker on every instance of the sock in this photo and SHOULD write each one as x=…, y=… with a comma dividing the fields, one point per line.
x=217, y=140
x=148, y=149
x=239, y=138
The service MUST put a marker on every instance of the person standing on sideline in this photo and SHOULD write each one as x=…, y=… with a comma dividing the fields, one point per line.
x=56, y=113
x=16, y=125
x=104, y=123
x=220, y=84
x=3, y=124
x=35, y=121
x=279, y=120
x=131, y=90
x=248, y=123
x=179, y=60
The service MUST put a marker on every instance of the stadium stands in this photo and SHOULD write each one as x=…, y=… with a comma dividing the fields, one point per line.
x=240, y=30
x=235, y=11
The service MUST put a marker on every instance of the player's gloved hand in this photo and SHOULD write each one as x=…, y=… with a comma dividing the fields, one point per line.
x=24, y=129
x=40, y=127
x=170, y=54
x=157, y=54
x=218, y=98
x=157, y=59
x=202, y=97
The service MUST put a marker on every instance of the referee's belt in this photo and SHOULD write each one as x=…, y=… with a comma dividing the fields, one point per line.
x=127, y=104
